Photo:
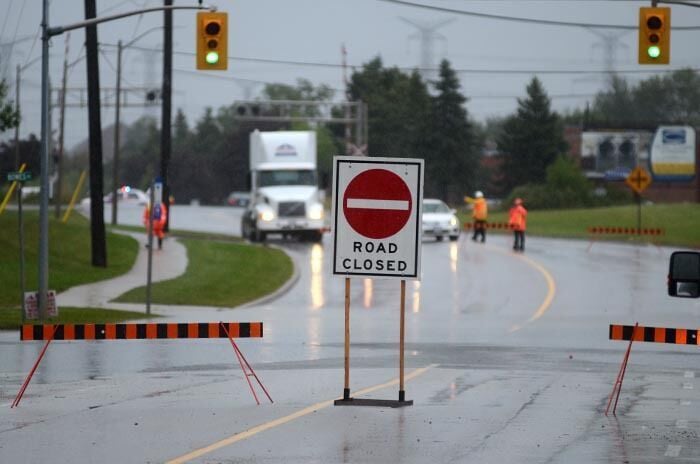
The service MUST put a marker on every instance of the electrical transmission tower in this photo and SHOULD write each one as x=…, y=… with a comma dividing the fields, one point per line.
x=609, y=42
x=428, y=35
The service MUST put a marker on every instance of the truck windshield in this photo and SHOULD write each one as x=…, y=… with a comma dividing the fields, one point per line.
x=287, y=177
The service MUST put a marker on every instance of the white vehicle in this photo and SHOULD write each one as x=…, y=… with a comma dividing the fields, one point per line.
x=125, y=196
x=439, y=220
x=285, y=198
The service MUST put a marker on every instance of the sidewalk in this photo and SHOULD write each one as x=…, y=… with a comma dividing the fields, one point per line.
x=168, y=263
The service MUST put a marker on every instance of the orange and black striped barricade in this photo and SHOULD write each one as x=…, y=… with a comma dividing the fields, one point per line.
x=628, y=231
x=490, y=226
x=637, y=333
x=144, y=331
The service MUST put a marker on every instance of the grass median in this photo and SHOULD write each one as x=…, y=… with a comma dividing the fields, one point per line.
x=680, y=223
x=225, y=274
x=221, y=272
x=70, y=264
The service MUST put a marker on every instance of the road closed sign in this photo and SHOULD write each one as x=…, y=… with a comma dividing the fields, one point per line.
x=377, y=217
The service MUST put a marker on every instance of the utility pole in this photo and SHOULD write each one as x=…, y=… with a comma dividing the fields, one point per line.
x=115, y=158
x=166, y=96
x=348, y=147
x=59, y=161
x=97, y=220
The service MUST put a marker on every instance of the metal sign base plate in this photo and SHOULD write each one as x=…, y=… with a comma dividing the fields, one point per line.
x=372, y=402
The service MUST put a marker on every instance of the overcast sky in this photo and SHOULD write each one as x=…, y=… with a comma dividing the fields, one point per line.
x=280, y=41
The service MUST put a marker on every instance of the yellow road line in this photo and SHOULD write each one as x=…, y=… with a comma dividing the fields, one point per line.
x=551, y=291
x=551, y=288
x=283, y=420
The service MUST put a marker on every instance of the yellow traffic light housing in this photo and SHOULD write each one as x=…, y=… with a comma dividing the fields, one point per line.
x=212, y=41
x=654, y=35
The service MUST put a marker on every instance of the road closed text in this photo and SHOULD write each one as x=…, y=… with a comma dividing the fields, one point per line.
x=381, y=259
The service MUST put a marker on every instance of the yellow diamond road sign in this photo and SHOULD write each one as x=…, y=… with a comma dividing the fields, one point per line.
x=639, y=179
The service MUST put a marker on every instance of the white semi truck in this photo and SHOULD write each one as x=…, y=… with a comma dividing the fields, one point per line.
x=285, y=198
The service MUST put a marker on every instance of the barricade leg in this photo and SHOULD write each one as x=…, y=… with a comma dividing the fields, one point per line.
x=617, y=386
x=246, y=367
x=18, y=398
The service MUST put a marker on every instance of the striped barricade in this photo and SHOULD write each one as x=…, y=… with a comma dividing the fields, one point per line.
x=144, y=331
x=608, y=230
x=637, y=333
x=654, y=334
x=31, y=332
x=490, y=225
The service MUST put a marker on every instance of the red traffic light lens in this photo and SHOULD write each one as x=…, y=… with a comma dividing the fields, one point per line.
x=212, y=28
x=654, y=22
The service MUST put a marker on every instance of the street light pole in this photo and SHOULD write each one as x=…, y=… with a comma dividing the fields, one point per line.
x=44, y=160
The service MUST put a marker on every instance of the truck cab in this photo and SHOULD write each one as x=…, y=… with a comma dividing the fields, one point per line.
x=285, y=198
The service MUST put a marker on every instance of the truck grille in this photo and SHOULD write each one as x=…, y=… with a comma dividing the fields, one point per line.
x=292, y=209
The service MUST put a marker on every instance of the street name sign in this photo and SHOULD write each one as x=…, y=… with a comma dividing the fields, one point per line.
x=638, y=180
x=19, y=176
x=376, y=216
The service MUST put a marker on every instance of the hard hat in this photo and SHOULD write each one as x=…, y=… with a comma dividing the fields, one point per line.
x=518, y=201
x=478, y=194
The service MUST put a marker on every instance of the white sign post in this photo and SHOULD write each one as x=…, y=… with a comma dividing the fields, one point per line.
x=376, y=214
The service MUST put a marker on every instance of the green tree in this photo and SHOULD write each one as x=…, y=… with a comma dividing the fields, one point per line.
x=452, y=163
x=140, y=153
x=531, y=139
x=9, y=117
x=399, y=109
x=669, y=99
x=304, y=90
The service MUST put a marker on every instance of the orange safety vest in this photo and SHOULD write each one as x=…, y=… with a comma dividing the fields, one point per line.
x=480, y=209
x=517, y=218
x=159, y=219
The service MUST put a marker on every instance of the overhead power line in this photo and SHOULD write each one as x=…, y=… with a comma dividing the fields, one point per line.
x=406, y=68
x=544, y=22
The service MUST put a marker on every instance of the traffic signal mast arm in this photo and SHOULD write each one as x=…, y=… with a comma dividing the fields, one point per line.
x=57, y=30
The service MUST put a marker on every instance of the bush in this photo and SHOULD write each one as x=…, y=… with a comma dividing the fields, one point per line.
x=566, y=187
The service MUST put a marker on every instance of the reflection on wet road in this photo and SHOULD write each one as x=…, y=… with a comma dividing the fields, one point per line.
x=494, y=394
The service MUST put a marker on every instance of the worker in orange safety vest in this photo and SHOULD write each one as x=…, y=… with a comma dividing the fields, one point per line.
x=479, y=214
x=517, y=220
x=160, y=217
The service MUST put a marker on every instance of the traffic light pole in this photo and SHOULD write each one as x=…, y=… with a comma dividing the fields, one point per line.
x=46, y=34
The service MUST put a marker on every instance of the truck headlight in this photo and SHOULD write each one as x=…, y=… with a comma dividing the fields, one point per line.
x=316, y=211
x=266, y=215
x=453, y=221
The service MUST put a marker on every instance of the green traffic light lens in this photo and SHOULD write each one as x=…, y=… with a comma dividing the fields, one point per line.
x=212, y=57
x=654, y=51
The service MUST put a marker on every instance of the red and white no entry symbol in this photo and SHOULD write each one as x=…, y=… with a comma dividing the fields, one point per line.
x=377, y=203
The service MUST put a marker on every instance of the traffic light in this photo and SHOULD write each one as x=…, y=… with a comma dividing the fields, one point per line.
x=654, y=35
x=212, y=40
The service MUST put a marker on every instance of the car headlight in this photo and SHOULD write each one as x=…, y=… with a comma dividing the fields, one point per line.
x=453, y=221
x=266, y=215
x=315, y=211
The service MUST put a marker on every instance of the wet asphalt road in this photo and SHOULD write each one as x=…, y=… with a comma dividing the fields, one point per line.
x=507, y=357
